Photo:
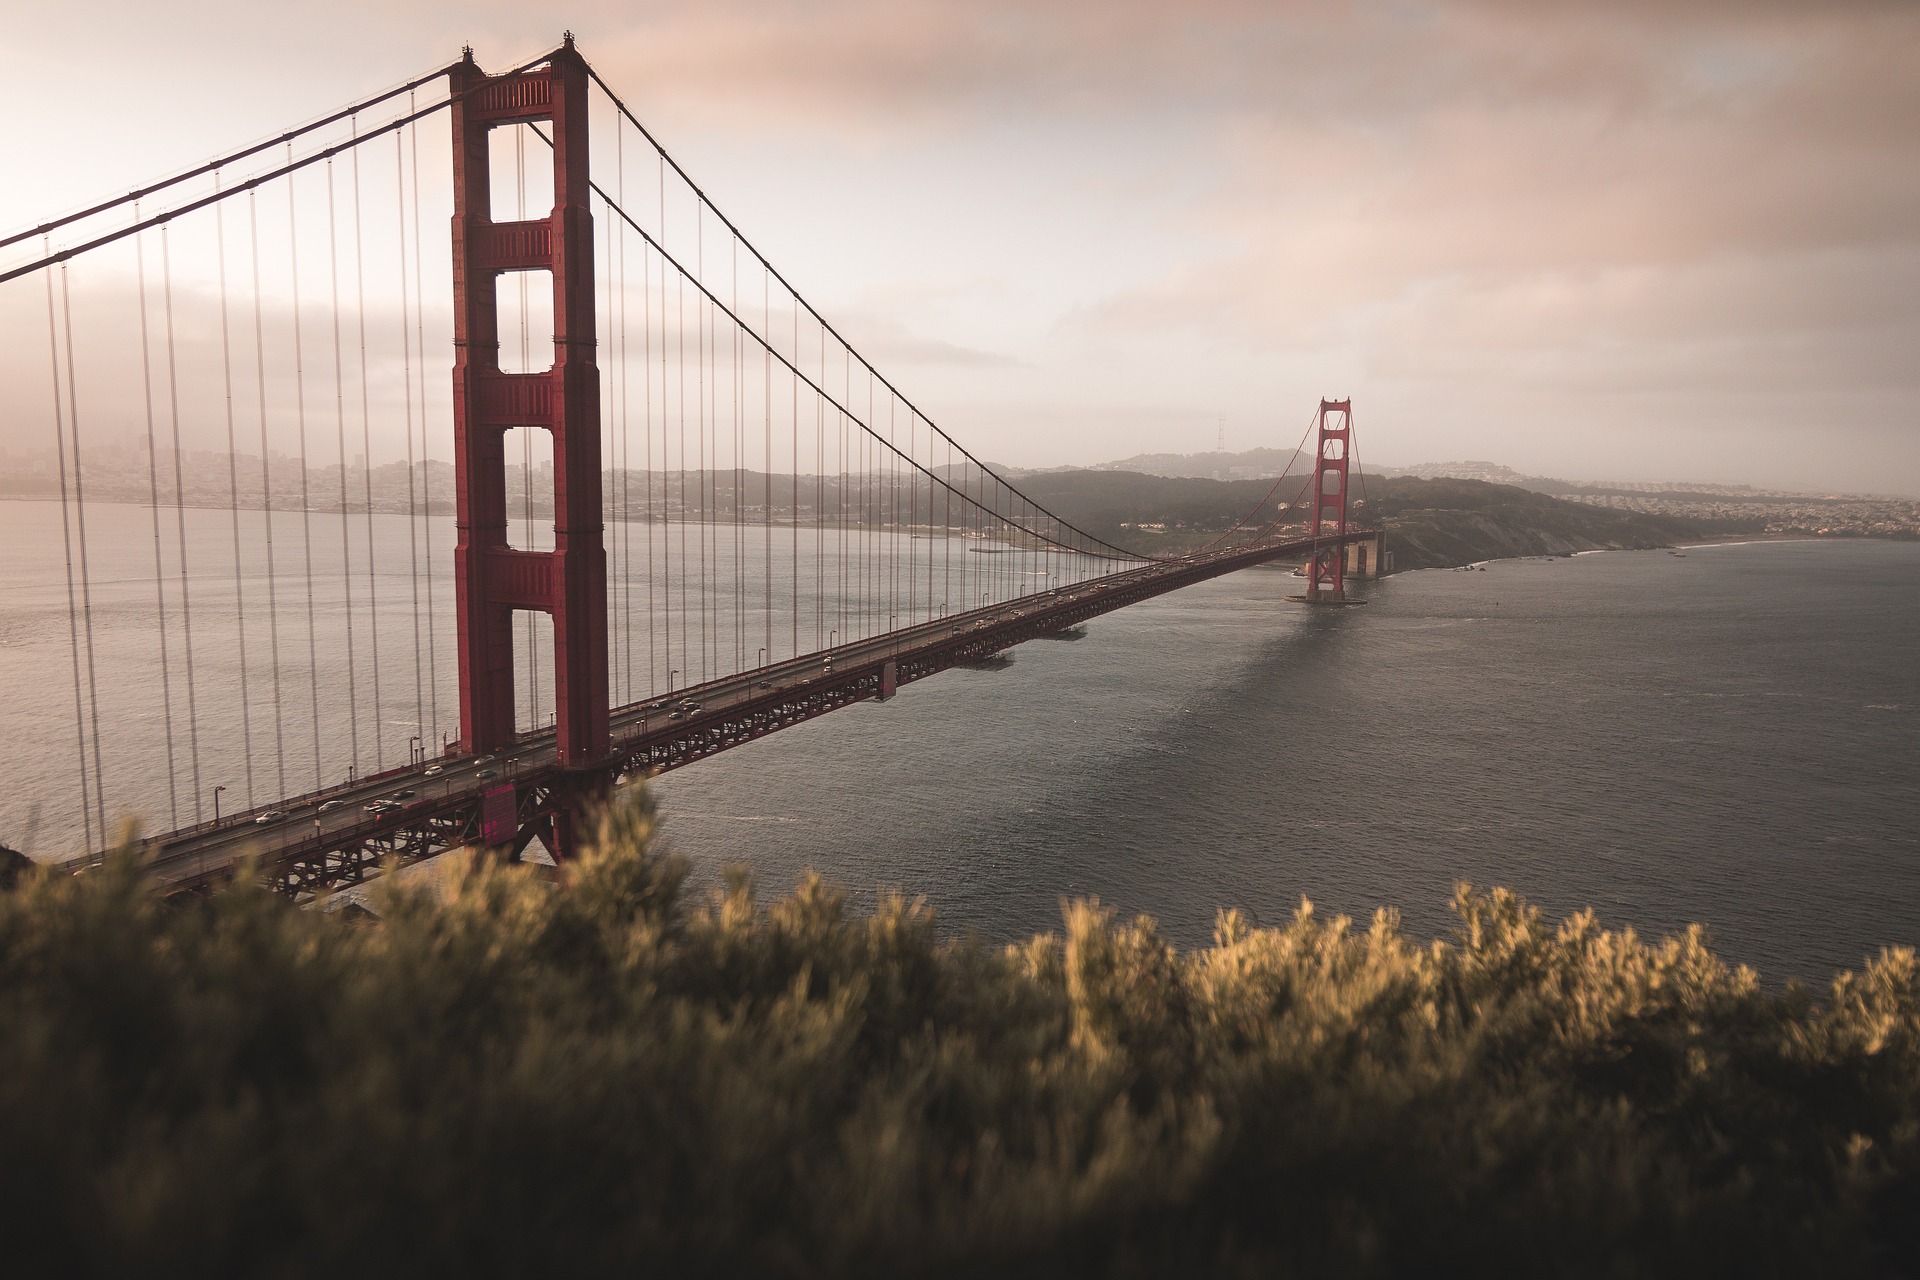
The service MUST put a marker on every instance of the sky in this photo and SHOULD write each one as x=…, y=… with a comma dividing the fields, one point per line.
x=1633, y=240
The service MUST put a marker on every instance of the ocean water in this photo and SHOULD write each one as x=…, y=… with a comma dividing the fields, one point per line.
x=1730, y=737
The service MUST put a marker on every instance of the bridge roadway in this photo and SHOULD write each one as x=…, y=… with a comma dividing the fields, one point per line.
x=311, y=849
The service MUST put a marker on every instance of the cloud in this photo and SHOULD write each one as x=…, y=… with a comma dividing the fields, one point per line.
x=1529, y=206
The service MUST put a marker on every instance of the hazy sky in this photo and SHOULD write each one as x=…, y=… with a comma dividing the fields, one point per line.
x=1637, y=239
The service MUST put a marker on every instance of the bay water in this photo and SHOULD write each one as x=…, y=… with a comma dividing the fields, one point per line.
x=1731, y=736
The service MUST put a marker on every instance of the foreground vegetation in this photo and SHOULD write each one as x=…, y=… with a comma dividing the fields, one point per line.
x=615, y=1077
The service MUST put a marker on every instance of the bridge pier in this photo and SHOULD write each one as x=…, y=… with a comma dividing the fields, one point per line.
x=1368, y=559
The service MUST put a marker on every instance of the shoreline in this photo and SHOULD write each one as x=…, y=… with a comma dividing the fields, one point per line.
x=1729, y=540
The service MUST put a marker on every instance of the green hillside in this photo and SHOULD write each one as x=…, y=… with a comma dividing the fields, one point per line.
x=1431, y=523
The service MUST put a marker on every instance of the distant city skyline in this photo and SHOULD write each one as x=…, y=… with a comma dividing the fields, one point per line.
x=1632, y=242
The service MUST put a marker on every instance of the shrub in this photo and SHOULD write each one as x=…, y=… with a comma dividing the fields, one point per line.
x=505, y=1078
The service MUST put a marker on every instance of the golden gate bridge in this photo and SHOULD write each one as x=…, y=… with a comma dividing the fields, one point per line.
x=793, y=534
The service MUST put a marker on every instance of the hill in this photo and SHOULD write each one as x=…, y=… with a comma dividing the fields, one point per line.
x=1440, y=523
x=1431, y=523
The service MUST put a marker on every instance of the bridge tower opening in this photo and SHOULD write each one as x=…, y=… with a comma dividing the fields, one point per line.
x=491, y=578
x=1326, y=571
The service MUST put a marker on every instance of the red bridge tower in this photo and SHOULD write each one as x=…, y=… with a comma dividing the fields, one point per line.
x=491, y=578
x=1326, y=573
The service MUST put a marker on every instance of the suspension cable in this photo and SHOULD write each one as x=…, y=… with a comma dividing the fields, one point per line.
x=426, y=449
x=340, y=436
x=406, y=396
x=233, y=496
x=153, y=506
x=266, y=495
x=258, y=180
x=366, y=459
x=306, y=502
x=180, y=520
x=634, y=120
x=225, y=162
x=66, y=542
x=86, y=573
x=687, y=276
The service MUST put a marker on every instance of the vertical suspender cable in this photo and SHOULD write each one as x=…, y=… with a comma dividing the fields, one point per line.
x=626, y=435
x=406, y=396
x=306, y=497
x=820, y=506
x=646, y=362
x=180, y=520
x=266, y=496
x=646, y=386
x=66, y=542
x=733, y=395
x=366, y=454
x=793, y=502
x=340, y=434
x=153, y=506
x=766, y=457
x=700, y=423
x=233, y=492
x=426, y=449
x=680, y=410
x=86, y=573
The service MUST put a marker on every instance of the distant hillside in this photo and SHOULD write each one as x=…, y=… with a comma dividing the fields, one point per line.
x=1254, y=464
x=1176, y=512
x=1433, y=523
x=1437, y=523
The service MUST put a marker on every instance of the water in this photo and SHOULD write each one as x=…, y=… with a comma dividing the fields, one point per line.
x=1731, y=737
x=322, y=647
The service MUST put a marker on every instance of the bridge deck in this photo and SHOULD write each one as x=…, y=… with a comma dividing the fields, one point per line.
x=309, y=850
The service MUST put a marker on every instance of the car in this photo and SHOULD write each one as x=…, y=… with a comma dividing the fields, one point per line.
x=689, y=707
x=485, y=774
x=435, y=770
x=271, y=815
x=766, y=684
x=330, y=805
x=676, y=714
x=379, y=806
x=408, y=794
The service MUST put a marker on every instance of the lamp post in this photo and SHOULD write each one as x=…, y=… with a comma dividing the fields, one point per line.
x=763, y=655
x=670, y=675
x=216, y=801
